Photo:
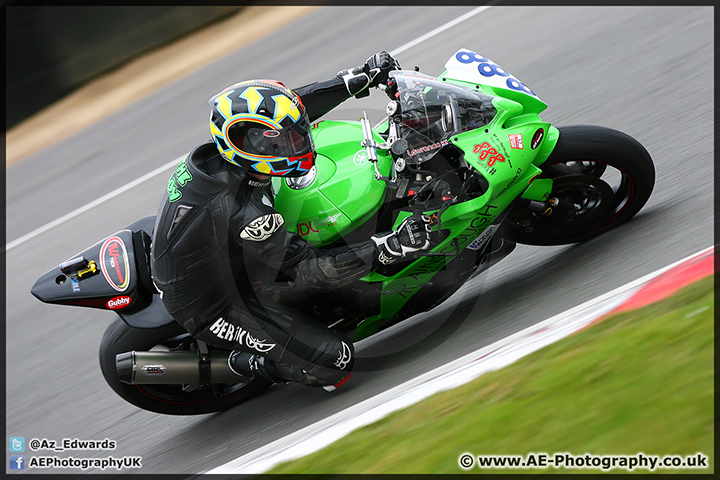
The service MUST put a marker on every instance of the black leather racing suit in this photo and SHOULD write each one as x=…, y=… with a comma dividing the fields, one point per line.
x=217, y=234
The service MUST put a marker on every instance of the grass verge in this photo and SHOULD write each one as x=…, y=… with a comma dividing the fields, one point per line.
x=641, y=381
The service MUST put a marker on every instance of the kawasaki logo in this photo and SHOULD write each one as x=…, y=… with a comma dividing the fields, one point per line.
x=119, y=302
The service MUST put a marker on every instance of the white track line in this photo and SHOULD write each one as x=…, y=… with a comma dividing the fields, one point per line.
x=438, y=30
x=167, y=166
x=504, y=352
x=92, y=204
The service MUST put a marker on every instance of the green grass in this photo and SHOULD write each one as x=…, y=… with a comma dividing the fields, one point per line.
x=641, y=381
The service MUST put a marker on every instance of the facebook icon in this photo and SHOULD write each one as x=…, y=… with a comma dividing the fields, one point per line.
x=17, y=462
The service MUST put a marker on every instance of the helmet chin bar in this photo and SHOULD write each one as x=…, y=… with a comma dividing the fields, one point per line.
x=291, y=166
x=307, y=161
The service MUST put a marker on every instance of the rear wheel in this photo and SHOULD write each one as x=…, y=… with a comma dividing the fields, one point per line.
x=601, y=178
x=167, y=399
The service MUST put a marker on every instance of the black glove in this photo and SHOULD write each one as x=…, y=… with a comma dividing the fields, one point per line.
x=378, y=66
x=411, y=237
x=375, y=71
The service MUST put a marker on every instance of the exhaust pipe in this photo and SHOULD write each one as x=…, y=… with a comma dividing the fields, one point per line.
x=141, y=368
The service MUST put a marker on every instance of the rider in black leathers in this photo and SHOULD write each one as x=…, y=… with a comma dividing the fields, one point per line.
x=218, y=238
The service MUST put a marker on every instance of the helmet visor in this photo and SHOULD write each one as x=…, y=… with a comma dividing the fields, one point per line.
x=292, y=141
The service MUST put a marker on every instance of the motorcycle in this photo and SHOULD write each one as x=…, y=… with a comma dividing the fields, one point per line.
x=466, y=148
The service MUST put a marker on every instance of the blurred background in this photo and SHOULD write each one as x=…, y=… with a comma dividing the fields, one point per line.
x=647, y=71
x=52, y=50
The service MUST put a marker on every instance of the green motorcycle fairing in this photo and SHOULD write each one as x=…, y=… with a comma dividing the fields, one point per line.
x=507, y=152
x=342, y=192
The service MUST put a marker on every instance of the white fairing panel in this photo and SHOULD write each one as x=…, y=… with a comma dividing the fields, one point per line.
x=469, y=66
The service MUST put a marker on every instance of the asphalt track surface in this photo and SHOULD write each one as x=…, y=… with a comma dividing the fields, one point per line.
x=645, y=71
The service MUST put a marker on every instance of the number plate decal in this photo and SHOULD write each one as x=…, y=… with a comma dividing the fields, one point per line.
x=469, y=66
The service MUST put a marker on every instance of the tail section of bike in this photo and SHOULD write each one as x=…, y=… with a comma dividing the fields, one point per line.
x=113, y=274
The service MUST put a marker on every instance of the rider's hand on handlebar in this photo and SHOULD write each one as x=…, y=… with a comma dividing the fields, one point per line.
x=375, y=71
x=378, y=66
x=411, y=237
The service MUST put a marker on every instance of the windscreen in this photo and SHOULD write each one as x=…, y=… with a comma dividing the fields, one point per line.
x=431, y=111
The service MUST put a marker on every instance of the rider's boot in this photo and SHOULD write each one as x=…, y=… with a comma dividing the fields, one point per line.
x=255, y=366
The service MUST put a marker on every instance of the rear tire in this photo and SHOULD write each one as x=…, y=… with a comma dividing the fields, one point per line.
x=601, y=178
x=167, y=399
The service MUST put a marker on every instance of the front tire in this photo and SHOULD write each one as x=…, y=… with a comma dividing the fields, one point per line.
x=601, y=178
x=167, y=399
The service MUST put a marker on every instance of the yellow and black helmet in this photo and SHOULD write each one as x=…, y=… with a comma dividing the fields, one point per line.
x=262, y=125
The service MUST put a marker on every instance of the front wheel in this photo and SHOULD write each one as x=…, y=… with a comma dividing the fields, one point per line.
x=167, y=399
x=601, y=178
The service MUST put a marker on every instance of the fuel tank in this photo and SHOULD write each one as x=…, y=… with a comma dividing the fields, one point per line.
x=340, y=191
